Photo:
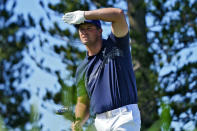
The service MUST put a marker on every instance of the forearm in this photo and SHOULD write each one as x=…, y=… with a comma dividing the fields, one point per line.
x=81, y=113
x=82, y=110
x=105, y=14
x=114, y=15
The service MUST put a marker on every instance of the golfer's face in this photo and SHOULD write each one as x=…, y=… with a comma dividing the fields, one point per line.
x=88, y=33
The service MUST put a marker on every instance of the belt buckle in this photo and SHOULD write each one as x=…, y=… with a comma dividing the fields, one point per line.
x=108, y=114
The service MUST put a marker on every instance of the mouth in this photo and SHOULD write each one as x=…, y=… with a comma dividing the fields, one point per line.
x=85, y=38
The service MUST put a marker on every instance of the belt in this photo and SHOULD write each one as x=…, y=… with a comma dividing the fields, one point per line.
x=117, y=111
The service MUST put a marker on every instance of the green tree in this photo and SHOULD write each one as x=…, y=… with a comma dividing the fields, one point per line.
x=146, y=77
x=2, y=126
x=13, y=71
x=172, y=43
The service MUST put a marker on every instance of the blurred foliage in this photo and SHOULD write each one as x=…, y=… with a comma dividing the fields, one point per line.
x=146, y=77
x=35, y=117
x=165, y=119
x=13, y=41
x=2, y=125
x=173, y=43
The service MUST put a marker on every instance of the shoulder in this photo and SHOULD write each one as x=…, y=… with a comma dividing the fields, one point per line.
x=81, y=68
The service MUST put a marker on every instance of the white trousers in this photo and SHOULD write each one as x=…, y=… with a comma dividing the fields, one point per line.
x=125, y=118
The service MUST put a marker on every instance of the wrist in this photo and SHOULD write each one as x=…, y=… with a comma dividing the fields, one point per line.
x=85, y=14
x=76, y=126
x=79, y=122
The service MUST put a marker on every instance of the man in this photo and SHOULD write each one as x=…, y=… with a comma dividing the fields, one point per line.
x=105, y=79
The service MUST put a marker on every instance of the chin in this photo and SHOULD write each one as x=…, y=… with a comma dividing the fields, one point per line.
x=85, y=42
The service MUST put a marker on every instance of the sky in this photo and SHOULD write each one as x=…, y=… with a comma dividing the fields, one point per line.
x=39, y=80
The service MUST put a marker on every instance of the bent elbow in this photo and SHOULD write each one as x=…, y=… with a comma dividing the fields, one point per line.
x=120, y=13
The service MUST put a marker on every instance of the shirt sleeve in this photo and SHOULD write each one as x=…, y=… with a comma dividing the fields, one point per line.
x=81, y=90
x=80, y=81
x=120, y=41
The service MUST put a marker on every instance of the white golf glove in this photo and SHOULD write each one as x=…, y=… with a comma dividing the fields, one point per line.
x=76, y=17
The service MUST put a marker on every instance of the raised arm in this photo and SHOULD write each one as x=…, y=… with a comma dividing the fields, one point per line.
x=114, y=15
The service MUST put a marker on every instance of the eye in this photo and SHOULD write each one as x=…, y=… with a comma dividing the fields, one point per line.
x=81, y=29
x=89, y=28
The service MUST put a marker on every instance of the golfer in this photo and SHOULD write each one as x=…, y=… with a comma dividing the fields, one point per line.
x=106, y=85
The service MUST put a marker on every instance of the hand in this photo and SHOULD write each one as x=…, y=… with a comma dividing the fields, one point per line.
x=76, y=126
x=76, y=17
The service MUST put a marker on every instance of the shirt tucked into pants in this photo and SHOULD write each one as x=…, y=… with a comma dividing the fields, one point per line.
x=126, y=118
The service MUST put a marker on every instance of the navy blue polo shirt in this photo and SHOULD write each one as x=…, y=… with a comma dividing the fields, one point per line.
x=108, y=77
